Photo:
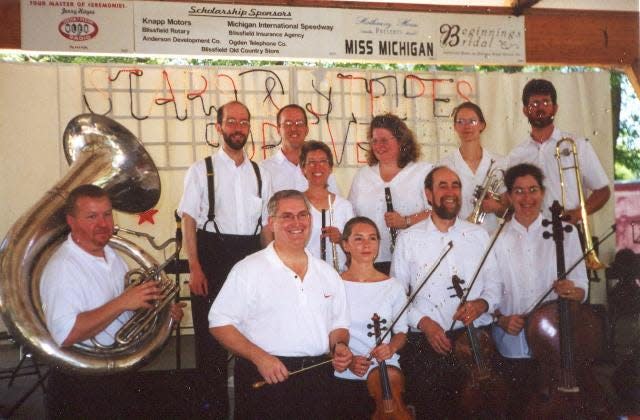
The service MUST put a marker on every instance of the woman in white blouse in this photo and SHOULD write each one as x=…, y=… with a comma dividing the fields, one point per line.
x=316, y=162
x=472, y=162
x=392, y=163
x=368, y=291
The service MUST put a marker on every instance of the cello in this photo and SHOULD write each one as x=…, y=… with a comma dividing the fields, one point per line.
x=386, y=384
x=483, y=392
x=565, y=336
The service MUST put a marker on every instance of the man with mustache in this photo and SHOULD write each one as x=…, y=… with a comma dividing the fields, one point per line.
x=432, y=374
x=539, y=100
x=83, y=298
x=225, y=198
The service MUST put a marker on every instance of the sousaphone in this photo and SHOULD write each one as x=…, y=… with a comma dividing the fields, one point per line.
x=101, y=152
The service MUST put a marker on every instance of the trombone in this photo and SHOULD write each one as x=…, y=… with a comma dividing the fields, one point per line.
x=591, y=260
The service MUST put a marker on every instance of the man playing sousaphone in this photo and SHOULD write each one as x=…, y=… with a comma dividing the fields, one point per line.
x=83, y=297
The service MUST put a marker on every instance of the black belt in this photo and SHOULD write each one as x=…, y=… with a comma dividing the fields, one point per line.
x=297, y=363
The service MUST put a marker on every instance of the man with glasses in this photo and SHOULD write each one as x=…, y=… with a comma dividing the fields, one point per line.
x=284, y=165
x=282, y=310
x=540, y=107
x=222, y=207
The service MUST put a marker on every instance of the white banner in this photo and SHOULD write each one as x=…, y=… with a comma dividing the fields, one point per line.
x=89, y=26
x=270, y=32
x=279, y=32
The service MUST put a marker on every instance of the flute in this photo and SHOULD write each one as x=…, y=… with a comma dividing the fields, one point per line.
x=334, y=250
x=392, y=231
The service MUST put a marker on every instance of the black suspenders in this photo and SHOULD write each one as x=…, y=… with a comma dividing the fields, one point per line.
x=211, y=215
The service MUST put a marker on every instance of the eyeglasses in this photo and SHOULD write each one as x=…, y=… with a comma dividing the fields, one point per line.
x=298, y=123
x=232, y=122
x=465, y=121
x=530, y=190
x=382, y=142
x=537, y=104
x=321, y=162
x=290, y=217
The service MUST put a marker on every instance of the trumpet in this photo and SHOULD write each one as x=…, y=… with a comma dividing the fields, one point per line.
x=591, y=260
x=334, y=249
x=493, y=181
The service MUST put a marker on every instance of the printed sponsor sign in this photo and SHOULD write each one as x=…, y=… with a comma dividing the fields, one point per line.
x=270, y=32
x=279, y=32
x=91, y=26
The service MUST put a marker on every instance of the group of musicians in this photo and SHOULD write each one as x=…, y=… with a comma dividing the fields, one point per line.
x=256, y=235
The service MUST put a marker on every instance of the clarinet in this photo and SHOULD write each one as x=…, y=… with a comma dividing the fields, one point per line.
x=392, y=231
x=323, y=241
x=334, y=249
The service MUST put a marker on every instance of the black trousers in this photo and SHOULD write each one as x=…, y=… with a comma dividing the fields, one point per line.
x=75, y=396
x=432, y=380
x=218, y=253
x=303, y=396
x=351, y=399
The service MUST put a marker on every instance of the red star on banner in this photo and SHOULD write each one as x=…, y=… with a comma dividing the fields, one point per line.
x=147, y=216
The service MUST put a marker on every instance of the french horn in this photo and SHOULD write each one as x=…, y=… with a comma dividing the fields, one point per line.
x=101, y=152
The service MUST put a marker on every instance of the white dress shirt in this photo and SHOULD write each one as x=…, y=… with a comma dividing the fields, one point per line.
x=418, y=249
x=527, y=272
x=386, y=298
x=238, y=205
x=470, y=180
x=342, y=213
x=287, y=176
x=543, y=155
x=407, y=193
x=276, y=310
x=75, y=281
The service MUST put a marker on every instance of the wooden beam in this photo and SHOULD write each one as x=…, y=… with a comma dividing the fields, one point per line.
x=10, y=18
x=520, y=6
x=584, y=38
x=633, y=73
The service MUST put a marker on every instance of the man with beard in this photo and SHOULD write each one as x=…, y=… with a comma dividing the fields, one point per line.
x=539, y=100
x=284, y=165
x=433, y=376
x=224, y=200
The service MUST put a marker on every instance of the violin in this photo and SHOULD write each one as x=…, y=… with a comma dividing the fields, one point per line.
x=483, y=391
x=386, y=384
x=565, y=337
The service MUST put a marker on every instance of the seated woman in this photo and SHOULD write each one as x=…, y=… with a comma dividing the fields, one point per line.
x=368, y=291
x=316, y=162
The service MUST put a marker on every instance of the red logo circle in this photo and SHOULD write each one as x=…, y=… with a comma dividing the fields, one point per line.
x=78, y=28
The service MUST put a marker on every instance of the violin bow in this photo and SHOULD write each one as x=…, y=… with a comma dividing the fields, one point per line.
x=494, y=238
x=433, y=268
x=567, y=272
